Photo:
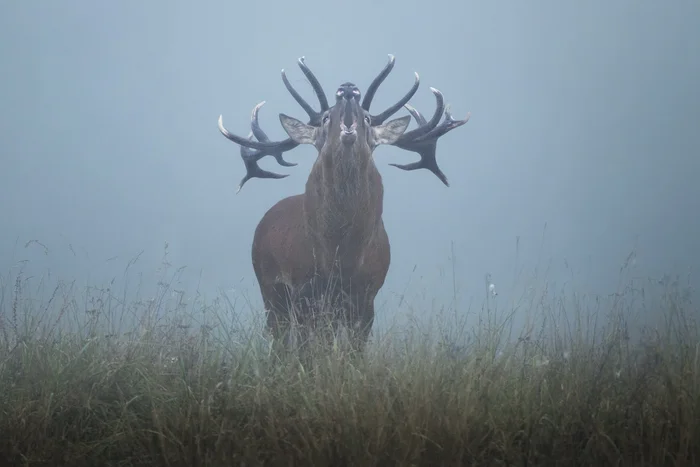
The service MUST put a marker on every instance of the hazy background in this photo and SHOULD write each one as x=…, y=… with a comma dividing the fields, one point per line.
x=585, y=118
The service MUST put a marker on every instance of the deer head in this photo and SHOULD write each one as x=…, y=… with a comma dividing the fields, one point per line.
x=346, y=129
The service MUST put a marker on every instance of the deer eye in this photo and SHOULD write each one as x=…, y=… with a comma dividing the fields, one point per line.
x=326, y=118
x=368, y=120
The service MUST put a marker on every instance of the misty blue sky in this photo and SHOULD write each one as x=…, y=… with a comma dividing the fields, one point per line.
x=585, y=117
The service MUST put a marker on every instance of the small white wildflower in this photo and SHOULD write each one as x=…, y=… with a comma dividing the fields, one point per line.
x=541, y=361
x=618, y=373
x=492, y=289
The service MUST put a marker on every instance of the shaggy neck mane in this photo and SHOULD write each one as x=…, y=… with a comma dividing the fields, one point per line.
x=343, y=205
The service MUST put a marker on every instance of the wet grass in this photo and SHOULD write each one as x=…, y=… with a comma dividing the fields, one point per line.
x=576, y=387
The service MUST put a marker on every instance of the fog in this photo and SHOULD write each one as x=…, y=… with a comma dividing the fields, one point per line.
x=582, y=144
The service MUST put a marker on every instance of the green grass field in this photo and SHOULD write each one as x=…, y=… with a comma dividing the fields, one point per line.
x=574, y=387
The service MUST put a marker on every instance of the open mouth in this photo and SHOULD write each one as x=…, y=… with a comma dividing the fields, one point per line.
x=348, y=135
x=349, y=131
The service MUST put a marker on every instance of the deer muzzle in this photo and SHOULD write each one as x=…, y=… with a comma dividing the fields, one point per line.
x=348, y=126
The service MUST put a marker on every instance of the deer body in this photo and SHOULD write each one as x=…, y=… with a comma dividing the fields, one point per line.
x=330, y=241
x=292, y=261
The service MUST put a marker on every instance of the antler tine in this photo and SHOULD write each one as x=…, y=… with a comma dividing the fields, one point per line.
x=313, y=115
x=372, y=90
x=266, y=146
x=425, y=128
x=420, y=119
x=252, y=169
x=382, y=117
x=318, y=89
x=448, y=124
x=423, y=140
x=374, y=85
x=261, y=136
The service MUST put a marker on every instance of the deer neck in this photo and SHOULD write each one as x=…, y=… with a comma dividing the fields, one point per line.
x=343, y=209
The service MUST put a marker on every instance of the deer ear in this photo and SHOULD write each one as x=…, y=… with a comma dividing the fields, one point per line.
x=297, y=130
x=391, y=131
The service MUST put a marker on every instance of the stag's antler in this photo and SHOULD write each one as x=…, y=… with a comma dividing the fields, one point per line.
x=252, y=169
x=422, y=140
x=262, y=136
x=425, y=144
x=314, y=117
x=251, y=157
x=252, y=151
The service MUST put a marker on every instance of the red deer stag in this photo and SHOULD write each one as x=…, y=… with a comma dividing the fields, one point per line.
x=334, y=228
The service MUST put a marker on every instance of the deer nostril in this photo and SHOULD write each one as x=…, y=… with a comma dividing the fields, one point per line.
x=348, y=92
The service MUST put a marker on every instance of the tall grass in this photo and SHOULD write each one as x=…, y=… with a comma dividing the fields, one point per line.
x=90, y=378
